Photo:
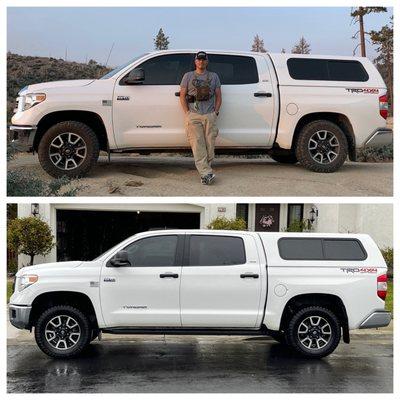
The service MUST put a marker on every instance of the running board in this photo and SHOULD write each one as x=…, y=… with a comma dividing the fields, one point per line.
x=185, y=331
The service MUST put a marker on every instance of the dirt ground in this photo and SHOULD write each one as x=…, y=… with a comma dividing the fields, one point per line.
x=131, y=175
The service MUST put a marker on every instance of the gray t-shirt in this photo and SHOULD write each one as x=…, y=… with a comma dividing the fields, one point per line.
x=191, y=81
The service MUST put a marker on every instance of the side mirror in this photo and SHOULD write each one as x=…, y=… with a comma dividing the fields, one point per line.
x=136, y=76
x=120, y=259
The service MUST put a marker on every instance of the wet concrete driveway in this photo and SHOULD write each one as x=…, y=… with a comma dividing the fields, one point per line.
x=202, y=364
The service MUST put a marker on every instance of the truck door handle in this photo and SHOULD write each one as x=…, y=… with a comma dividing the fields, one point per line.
x=169, y=275
x=248, y=275
x=177, y=94
x=262, y=94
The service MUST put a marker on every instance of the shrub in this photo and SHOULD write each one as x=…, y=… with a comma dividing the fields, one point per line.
x=387, y=253
x=22, y=183
x=234, y=224
x=30, y=236
x=371, y=154
x=298, y=226
x=12, y=267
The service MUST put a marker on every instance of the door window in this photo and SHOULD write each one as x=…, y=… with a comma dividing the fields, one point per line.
x=207, y=250
x=233, y=70
x=166, y=70
x=155, y=251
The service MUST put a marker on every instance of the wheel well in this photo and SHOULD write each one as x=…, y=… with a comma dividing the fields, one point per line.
x=330, y=301
x=75, y=299
x=89, y=118
x=339, y=119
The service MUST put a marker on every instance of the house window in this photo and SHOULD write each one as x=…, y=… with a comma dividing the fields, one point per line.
x=295, y=213
x=242, y=211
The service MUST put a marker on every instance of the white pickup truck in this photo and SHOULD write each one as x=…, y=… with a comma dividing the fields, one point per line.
x=306, y=290
x=315, y=110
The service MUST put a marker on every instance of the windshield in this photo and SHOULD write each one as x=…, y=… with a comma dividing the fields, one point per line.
x=121, y=67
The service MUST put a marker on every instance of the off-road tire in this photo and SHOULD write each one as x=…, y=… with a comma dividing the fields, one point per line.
x=284, y=158
x=47, y=315
x=291, y=332
x=78, y=128
x=302, y=152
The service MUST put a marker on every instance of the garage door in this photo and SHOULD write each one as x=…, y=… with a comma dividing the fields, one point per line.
x=83, y=235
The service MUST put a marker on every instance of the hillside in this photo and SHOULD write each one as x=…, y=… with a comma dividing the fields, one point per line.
x=25, y=70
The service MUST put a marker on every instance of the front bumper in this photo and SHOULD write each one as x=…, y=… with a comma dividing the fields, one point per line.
x=22, y=136
x=19, y=316
x=379, y=138
x=376, y=319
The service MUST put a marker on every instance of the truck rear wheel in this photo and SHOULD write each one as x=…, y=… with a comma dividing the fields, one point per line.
x=321, y=146
x=69, y=148
x=313, y=332
x=62, y=332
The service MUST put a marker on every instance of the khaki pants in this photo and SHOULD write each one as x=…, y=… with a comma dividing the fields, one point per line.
x=202, y=131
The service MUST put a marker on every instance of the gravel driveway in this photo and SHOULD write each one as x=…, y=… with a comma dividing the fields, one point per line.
x=176, y=176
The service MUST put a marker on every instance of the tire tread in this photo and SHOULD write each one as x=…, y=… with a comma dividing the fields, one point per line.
x=65, y=126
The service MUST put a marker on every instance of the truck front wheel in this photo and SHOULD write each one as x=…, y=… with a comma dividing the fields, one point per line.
x=68, y=148
x=321, y=146
x=62, y=332
x=314, y=332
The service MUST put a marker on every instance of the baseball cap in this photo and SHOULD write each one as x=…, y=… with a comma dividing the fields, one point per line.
x=201, y=55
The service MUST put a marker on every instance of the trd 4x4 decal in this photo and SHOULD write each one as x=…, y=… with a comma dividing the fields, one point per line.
x=363, y=91
x=360, y=270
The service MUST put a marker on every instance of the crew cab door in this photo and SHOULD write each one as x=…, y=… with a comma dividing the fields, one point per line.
x=146, y=292
x=221, y=281
x=148, y=114
x=247, y=113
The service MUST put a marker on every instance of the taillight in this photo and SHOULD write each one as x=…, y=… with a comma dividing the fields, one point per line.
x=381, y=287
x=383, y=106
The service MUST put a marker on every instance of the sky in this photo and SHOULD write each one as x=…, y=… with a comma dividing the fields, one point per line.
x=89, y=32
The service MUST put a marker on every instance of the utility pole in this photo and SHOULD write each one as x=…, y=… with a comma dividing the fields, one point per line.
x=362, y=32
x=358, y=16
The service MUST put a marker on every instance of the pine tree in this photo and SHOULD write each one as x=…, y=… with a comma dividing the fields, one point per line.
x=161, y=41
x=383, y=39
x=258, y=45
x=302, y=47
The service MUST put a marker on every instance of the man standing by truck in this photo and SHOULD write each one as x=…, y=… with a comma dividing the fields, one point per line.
x=201, y=99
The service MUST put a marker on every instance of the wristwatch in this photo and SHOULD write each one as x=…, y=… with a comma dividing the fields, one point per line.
x=217, y=113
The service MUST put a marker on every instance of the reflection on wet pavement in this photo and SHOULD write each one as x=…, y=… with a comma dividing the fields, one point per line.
x=202, y=366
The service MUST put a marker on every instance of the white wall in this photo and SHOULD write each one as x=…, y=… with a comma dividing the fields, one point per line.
x=373, y=219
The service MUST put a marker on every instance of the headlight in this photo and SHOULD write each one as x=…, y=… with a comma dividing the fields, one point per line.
x=25, y=102
x=25, y=281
